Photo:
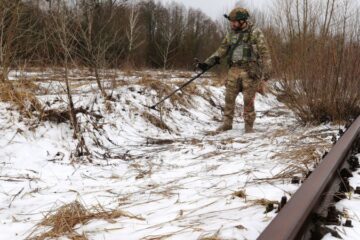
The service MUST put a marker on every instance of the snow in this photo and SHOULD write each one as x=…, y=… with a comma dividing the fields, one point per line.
x=350, y=209
x=181, y=182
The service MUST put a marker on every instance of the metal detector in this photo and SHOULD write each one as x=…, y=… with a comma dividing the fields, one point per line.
x=153, y=107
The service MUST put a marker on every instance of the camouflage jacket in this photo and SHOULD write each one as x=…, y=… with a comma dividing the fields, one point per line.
x=251, y=47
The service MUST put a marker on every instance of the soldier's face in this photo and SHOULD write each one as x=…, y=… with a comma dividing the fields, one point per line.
x=237, y=25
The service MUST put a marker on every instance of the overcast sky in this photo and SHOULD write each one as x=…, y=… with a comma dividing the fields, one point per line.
x=216, y=8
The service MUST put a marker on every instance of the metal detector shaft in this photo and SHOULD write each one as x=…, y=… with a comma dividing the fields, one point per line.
x=181, y=87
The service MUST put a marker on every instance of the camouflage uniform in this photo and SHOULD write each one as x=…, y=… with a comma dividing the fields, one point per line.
x=248, y=63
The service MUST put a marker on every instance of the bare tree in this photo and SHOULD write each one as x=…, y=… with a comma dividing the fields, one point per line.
x=63, y=27
x=92, y=22
x=14, y=34
x=133, y=33
x=166, y=47
x=329, y=12
x=9, y=32
x=171, y=29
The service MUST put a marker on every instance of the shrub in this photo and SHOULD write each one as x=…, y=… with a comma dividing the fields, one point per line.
x=317, y=59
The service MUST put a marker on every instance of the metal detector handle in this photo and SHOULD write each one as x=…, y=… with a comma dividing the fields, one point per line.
x=181, y=87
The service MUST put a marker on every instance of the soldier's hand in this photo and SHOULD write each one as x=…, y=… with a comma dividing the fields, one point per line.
x=216, y=60
x=202, y=66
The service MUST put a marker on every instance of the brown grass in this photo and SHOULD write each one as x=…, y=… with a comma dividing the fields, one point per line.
x=263, y=202
x=303, y=158
x=164, y=89
x=215, y=236
x=240, y=194
x=128, y=69
x=27, y=85
x=109, y=107
x=159, y=86
x=304, y=154
x=21, y=94
x=184, y=75
x=60, y=116
x=191, y=89
x=157, y=122
x=210, y=238
x=63, y=220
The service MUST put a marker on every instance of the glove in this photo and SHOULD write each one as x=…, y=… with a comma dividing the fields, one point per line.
x=202, y=66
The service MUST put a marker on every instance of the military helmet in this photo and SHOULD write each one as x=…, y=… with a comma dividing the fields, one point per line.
x=238, y=14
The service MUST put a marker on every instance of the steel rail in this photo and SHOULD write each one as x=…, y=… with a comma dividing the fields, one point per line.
x=293, y=217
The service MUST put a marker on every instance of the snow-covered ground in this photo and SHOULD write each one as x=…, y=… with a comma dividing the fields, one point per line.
x=162, y=167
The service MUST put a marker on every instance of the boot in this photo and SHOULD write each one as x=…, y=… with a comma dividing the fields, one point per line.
x=224, y=127
x=227, y=125
x=249, y=128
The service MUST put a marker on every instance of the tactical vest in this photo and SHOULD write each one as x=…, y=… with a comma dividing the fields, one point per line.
x=241, y=49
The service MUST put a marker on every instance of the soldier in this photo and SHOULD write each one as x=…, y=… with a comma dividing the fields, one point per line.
x=249, y=63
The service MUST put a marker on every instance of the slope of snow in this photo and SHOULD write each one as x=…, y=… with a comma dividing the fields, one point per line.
x=180, y=181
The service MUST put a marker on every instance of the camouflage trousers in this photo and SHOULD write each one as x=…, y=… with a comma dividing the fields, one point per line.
x=239, y=81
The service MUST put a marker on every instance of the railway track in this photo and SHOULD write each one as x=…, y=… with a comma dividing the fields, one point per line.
x=312, y=207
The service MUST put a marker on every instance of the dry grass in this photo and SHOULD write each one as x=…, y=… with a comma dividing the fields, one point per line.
x=160, y=87
x=109, y=107
x=210, y=238
x=27, y=85
x=158, y=237
x=302, y=159
x=302, y=152
x=128, y=69
x=60, y=116
x=240, y=194
x=63, y=220
x=214, y=236
x=157, y=122
x=191, y=89
x=277, y=133
x=21, y=94
x=157, y=85
x=184, y=75
x=164, y=89
x=263, y=202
